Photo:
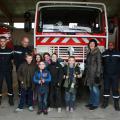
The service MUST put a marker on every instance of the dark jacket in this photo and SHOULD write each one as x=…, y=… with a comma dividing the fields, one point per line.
x=25, y=74
x=111, y=62
x=19, y=55
x=93, y=67
x=56, y=73
x=45, y=74
x=6, y=56
x=70, y=72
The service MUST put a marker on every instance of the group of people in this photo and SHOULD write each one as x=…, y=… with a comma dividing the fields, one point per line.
x=41, y=77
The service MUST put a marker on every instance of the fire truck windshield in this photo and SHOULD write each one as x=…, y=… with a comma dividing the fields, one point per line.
x=70, y=19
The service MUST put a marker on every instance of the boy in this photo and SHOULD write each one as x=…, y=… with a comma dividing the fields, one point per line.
x=72, y=72
x=25, y=75
x=42, y=78
x=56, y=72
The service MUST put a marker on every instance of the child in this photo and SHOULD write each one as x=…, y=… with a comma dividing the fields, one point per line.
x=25, y=75
x=56, y=72
x=72, y=72
x=38, y=58
x=42, y=78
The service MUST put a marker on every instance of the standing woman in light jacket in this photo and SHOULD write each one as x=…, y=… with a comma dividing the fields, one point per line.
x=93, y=73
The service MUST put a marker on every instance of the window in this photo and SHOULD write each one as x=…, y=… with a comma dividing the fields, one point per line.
x=6, y=23
x=69, y=19
x=19, y=25
x=32, y=25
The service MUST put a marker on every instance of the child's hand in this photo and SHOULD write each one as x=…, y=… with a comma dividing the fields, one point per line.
x=75, y=75
x=67, y=77
x=43, y=81
x=39, y=81
x=79, y=76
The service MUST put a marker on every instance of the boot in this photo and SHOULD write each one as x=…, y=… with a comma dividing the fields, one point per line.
x=11, y=101
x=0, y=99
x=105, y=102
x=116, y=104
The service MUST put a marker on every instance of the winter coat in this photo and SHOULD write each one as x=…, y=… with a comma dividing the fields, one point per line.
x=45, y=75
x=93, y=67
x=25, y=74
x=70, y=82
x=19, y=54
x=56, y=73
x=111, y=62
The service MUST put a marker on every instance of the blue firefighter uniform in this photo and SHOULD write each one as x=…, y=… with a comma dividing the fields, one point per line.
x=111, y=72
x=6, y=56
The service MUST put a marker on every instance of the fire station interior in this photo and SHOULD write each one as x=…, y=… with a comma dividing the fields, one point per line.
x=18, y=17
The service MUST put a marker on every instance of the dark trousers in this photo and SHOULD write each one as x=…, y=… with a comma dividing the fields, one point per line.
x=55, y=96
x=19, y=82
x=7, y=75
x=42, y=100
x=26, y=97
x=111, y=82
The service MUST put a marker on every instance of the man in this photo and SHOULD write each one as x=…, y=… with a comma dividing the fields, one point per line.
x=111, y=70
x=19, y=56
x=6, y=55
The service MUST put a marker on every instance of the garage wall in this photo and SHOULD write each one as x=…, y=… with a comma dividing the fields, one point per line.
x=19, y=33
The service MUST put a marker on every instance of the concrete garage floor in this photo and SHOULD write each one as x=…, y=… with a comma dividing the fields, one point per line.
x=81, y=113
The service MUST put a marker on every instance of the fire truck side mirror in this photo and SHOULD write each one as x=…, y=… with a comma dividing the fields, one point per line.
x=27, y=24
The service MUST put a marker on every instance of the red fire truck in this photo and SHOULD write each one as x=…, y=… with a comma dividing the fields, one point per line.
x=66, y=27
x=6, y=32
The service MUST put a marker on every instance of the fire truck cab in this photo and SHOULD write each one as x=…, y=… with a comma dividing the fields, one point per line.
x=66, y=27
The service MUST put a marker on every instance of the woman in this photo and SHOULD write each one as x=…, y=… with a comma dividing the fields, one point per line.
x=93, y=73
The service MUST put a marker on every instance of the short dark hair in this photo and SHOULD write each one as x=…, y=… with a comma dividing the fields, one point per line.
x=28, y=54
x=71, y=57
x=46, y=53
x=54, y=54
x=93, y=40
x=3, y=37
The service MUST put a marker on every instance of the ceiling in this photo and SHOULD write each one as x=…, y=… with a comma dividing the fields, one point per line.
x=13, y=10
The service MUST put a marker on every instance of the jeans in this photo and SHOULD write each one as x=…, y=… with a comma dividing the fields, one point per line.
x=26, y=96
x=94, y=95
x=42, y=100
x=70, y=99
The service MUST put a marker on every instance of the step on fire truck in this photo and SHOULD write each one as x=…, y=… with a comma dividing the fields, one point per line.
x=66, y=27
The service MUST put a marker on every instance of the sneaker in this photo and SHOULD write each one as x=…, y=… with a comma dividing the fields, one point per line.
x=18, y=110
x=93, y=107
x=71, y=110
x=45, y=112
x=50, y=109
x=59, y=110
x=30, y=108
x=11, y=102
x=88, y=105
x=39, y=112
x=67, y=108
